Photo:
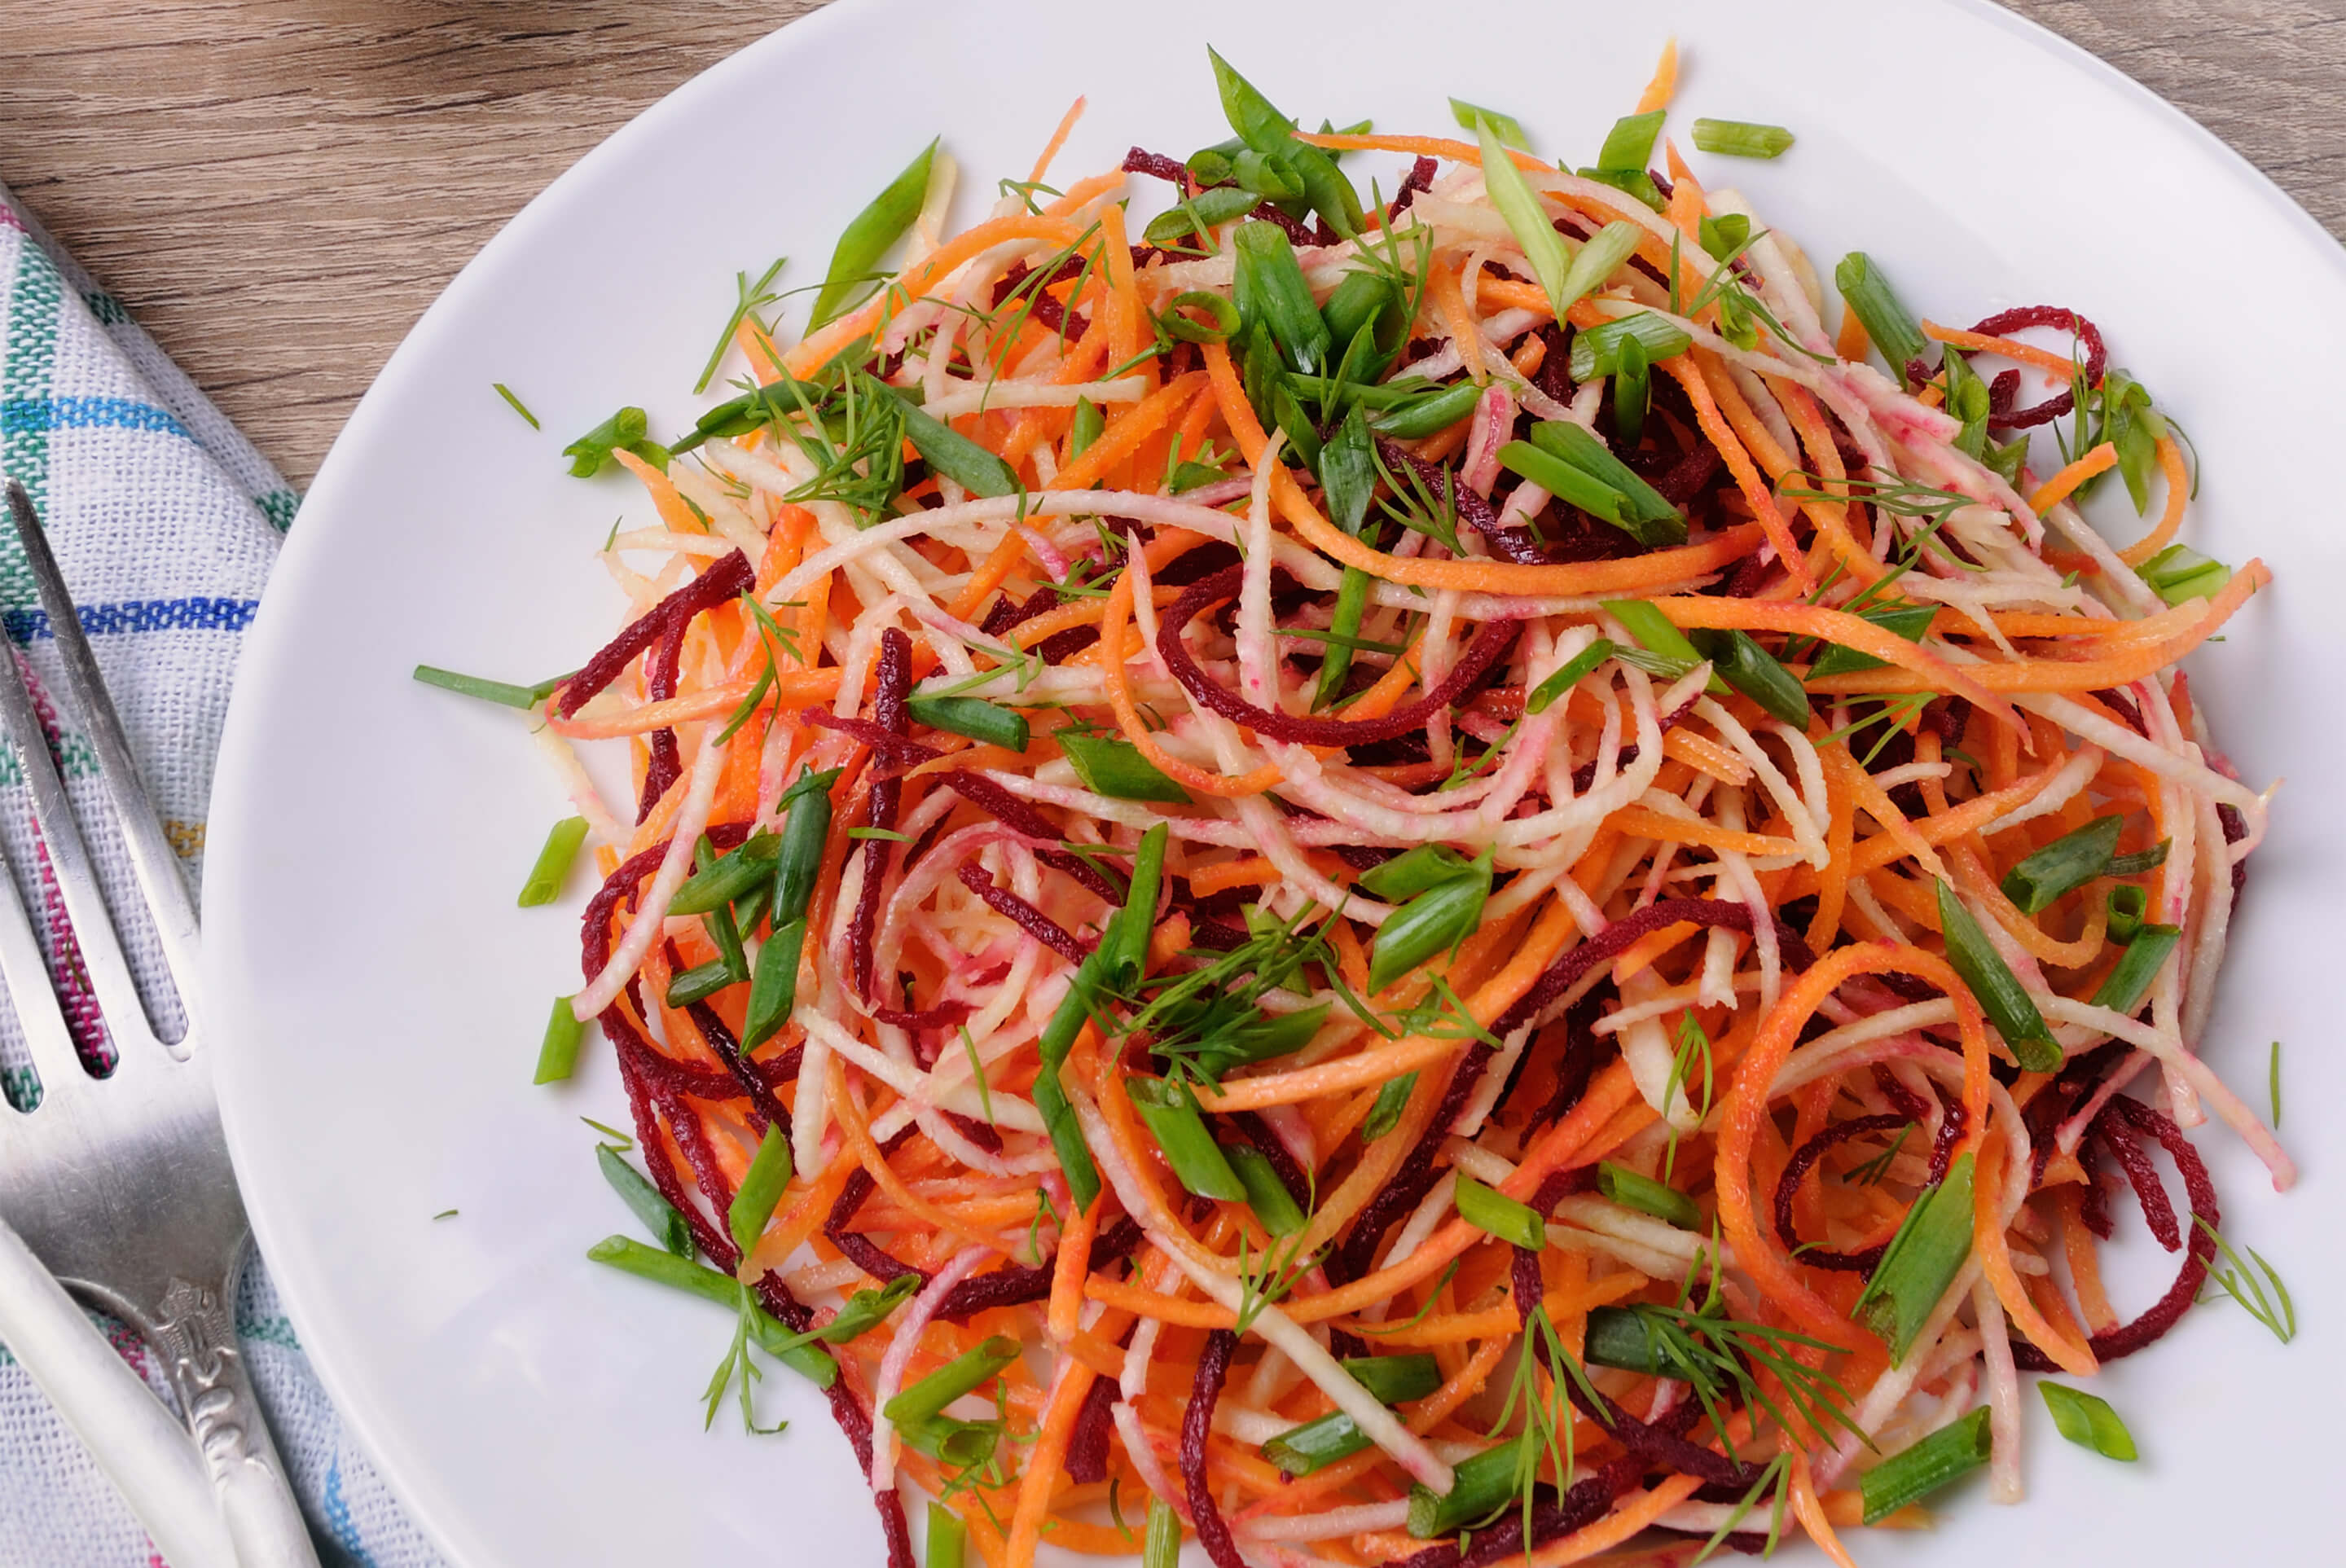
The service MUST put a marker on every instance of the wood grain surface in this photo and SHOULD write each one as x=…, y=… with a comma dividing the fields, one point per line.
x=277, y=188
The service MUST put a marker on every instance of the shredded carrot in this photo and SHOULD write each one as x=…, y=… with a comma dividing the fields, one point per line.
x=1058, y=139
x=1665, y=85
x=2051, y=364
x=2178, y=491
x=2057, y=489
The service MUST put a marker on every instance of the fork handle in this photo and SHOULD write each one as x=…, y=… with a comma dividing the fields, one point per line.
x=195, y=1332
x=128, y=1432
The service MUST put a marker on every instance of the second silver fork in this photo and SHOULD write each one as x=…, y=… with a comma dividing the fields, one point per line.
x=122, y=1185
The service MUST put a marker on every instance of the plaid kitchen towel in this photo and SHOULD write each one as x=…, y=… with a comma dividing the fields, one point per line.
x=165, y=521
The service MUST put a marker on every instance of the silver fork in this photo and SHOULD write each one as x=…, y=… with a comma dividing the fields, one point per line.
x=121, y=1186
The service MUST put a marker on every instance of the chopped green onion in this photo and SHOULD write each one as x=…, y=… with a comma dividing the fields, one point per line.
x=1428, y=415
x=728, y=877
x=701, y=983
x=1996, y=988
x=1644, y=512
x=1112, y=766
x=866, y=1311
x=760, y=1189
x=1265, y=1193
x=1652, y=628
x=1888, y=322
x=558, y=1054
x=1086, y=426
x=497, y=691
x=1189, y=221
x=2129, y=903
x=2141, y=861
x=1921, y=1262
x=1913, y=1473
x=1316, y=1444
x=1478, y=1486
x=1436, y=921
x=1528, y=221
x=719, y=923
x=1634, y=182
x=1596, y=351
x=1343, y=626
x=643, y=1199
x=869, y=235
x=1571, y=673
x=507, y=393
x=963, y=1374
x=1161, y=1540
x=1618, y=1337
x=806, y=829
x=1629, y=145
x=1605, y=249
x=1267, y=131
x=1361, y=301
x=2069, y=861
x=1505, y=127
x=1908, y=621
x=632, y=1257
x=1741, y=139
x=626, y=431
x=1395, y=1379
x=1267, y=286
x=2087, y=1420
x=1224, y=313
x=1385, y=1115
x=948, y=1538
x=889, y=834
x=2178, y=573
x=1563, y=481
x=952, y=454
x=1495, y=1213
x=1646, y=1195
x=2122, y=990
x=962, y=1445
x=1406, y=875
x=1755, y=672
x=1726, y=237
x=1173, y=1120
x=1348, y=473
x=974, y=717
x=1633, y=389
x=1116, y=963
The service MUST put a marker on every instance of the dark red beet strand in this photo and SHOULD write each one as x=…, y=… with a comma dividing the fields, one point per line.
x=1020, y=817
x=1140, y=160
x=2006, y=323
x=1490, y=644
x=892, y=681
x=1614, y=938
x=2158, y=1211
x=1411, y=1179
x=2128, y=1337
x=1797, y=1168
x=888, y=748
x=1030, y=920
x=1016, y=1283
x=1213, y=1369
x=1515, y=544
x=1419, y=178
x=1087, y=1444
x=729, y=578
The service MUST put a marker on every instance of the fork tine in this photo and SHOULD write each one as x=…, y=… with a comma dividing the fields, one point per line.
x=151, y=856
x=68, y=856
x=22, y=970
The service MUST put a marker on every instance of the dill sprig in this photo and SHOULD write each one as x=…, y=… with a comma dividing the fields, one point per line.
x=1267, y=1276
x=1211, y=1019
x=1725, y=1362
x=1693, y=1049
x=2272, y=1309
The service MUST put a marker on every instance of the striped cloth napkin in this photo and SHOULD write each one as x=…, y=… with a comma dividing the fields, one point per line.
x=165, y=521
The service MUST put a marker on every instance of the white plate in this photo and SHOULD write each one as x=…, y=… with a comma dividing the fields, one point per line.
x=380, y=998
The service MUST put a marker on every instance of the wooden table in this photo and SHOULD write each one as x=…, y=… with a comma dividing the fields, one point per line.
x=277, y=188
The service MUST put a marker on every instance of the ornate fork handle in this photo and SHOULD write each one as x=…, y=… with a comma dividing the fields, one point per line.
x=195, y=1333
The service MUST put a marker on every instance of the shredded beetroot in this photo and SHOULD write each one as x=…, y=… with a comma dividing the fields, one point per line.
x=1587, y=1502
x=1658, y=1445
x=1516, y=544
x=891, y=683
x=728, y=578
x=976, y=1132
x=1523, y=1276
x=2006, y=323
x=1419, y=178
x=1952, y=1123
x=2127, y=1339
x=1020, y=817
x=1213, y=1368
x=1041, y=305
x=944, y=1016
x=1087, y=1444
x=765, y=1106
x=867, y=1254
x=1140, y=160
x=1265, y=212
x=888, y=747
x=1614, y=938
x=1788, y=1185
x=2122, y=705
x=1031, y=921
x=1904, y=1100
x=1016, y=1283
x=1490, y=643
x=2158, y=1212
x=1411, y=1179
